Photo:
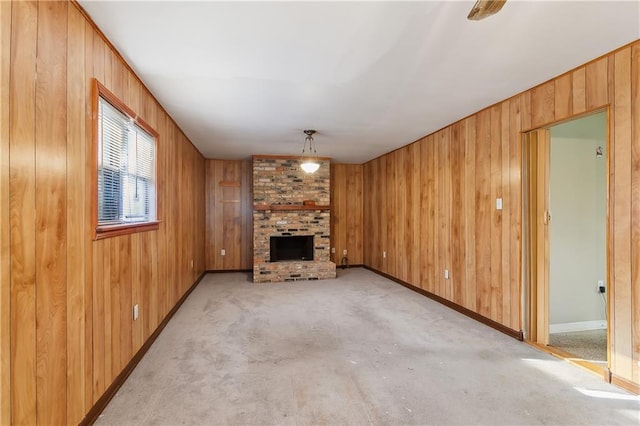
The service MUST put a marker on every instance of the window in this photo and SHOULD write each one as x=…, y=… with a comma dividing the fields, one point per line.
x=126, y=169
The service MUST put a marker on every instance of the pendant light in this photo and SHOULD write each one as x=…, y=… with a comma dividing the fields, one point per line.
x=310, y=163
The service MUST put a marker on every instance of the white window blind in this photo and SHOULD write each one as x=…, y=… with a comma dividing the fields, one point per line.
x=126, y=169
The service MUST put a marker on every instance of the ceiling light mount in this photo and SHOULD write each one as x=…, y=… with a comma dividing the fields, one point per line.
x=309, y=163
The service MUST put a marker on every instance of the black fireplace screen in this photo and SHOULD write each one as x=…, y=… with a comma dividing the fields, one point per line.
x=291, y=248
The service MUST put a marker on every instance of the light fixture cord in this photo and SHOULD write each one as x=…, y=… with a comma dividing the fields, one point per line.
x=312, y=147
x=312, y=144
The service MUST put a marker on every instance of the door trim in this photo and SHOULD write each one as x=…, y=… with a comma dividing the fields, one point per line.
x=535, y=181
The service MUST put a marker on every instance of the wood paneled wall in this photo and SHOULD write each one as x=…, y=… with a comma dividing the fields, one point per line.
x=346, y=213
x=229, y=211
x=5, y=277
x=229, y=214
x=431, y=205
x=66, y=327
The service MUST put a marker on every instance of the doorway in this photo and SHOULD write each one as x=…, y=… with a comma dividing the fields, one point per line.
x=566, y=240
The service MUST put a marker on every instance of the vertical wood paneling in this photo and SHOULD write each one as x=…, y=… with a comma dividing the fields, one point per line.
x=148, y=300
x=337, y=196
x=427, y=229
x=210, y=190
x=58, y=346
x=141, y=290
x=66, y=328
x=457, y=174
x=75, y=226
x=380, y=172
x=483, y=213
x=5, y=284
x=98, y=321
x=635, y=208
x=491, y=241
x=391, y=205
x=156, y=312
x=88, y=247
x=563, y=101
x=469, y=212
x=231, y=226
x=229, y=209
x=525, y=108
x=346, y=212
x=515, y=210
x=22, y=205
x=375, y=246
x=51, y=221
x=246, y=199
x=125, y=307
x=400, y=196
x=109, y=285
x=112, y=293
x=596, y=84
x=578, y=90
x=622, y=295
x=218, y=209
x=543, y=104
x=438, y=262
x=445, y=220
x=413, y=218
x=496, y=215
x=386, y=216
x=367, y=218
x=170, y=215
x=504, y=214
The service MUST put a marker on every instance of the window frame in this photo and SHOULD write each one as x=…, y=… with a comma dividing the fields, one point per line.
x=107, y=231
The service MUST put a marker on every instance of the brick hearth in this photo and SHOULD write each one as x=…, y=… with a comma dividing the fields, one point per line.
x=279, y=183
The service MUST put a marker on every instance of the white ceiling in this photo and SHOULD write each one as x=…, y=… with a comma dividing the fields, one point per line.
x=243, y=78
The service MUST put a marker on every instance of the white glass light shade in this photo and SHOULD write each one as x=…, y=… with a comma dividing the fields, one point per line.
x=310, y=166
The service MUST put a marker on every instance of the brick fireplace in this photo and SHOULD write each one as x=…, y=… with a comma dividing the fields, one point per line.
x=280, y=190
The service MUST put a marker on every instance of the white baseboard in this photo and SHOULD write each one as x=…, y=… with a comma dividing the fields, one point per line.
x=568, y=327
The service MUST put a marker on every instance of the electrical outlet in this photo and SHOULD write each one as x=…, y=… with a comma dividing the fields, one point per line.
x=344, y=252
x=601, y=288
x=498, y=203
x=135, y=312
x=223, y=252
x=384, y=254
x=446, y=274
x=333, y=250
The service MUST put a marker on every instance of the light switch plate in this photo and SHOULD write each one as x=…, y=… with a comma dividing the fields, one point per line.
x=498, y=203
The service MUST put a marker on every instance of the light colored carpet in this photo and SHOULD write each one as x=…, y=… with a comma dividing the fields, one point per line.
x=589, y=345
x=356, y=350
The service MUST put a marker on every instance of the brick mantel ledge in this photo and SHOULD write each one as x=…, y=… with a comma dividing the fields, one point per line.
x=288, y=207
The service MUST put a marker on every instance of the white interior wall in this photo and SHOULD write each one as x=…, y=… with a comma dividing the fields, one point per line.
x=577, y=236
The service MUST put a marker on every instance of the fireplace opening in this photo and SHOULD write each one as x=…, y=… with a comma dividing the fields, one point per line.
x=291, y=248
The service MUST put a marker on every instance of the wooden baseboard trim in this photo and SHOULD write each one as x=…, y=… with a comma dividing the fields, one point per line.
x=350, y=266
x=222, y=271
x=102, y=402
x=516, y=334
x=625, y=384
x=599, y=370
